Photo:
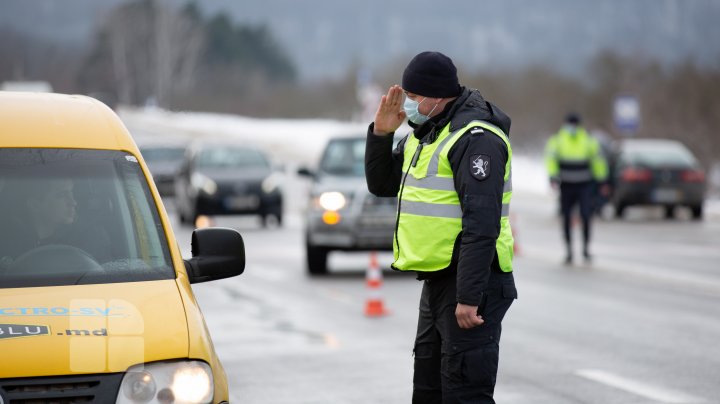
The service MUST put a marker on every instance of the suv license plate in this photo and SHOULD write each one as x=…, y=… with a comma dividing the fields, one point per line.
x=242, y=202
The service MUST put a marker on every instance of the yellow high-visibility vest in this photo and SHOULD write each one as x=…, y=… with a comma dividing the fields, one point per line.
x=575, y=158
x=429, y=215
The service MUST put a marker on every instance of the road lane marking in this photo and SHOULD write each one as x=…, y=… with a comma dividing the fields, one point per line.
x=659, y=394
x=667, y=275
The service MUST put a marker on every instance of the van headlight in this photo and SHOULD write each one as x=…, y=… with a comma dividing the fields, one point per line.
x=184, y=382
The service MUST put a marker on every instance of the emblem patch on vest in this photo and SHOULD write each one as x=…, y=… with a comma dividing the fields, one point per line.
x=480, y=166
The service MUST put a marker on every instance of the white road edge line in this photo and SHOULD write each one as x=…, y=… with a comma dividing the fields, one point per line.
x=658, y=394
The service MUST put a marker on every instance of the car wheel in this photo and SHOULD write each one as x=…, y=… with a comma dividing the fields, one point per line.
x=620, y=210
x=193, y=217
x=182, y=217
x=669, y=212
x=316, y=260
x=264, y=220
x=697, y=212
x=275, y=212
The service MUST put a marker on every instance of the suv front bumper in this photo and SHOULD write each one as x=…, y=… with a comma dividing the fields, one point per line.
x=364, y=232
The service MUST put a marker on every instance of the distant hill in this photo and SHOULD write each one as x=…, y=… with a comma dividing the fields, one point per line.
x=325, y=37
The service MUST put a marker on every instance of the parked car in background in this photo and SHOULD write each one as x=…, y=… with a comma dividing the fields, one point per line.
x=342, y=214
x=224, y=178
x=96, y=304
x=164, y=161
x=657, y=172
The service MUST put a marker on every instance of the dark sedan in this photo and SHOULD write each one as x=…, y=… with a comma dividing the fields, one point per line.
x=657, y=172
x=227, y=179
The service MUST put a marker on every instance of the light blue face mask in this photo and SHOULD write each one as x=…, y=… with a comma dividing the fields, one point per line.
x=411, y=110
x=570, y=128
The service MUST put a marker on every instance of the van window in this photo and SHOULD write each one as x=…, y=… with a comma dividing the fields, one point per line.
x=70, y=216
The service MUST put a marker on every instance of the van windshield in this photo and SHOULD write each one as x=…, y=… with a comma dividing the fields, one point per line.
x=70, y=216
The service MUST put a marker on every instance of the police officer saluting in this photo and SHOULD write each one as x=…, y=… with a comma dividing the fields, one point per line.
x=452, y=177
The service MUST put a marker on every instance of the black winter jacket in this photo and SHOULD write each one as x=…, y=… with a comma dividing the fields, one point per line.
x=474, y=255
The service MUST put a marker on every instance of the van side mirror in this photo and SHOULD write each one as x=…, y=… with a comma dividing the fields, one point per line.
x=217, y=253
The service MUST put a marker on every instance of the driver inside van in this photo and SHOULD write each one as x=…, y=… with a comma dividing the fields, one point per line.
x=51, y=207
x=45, y=213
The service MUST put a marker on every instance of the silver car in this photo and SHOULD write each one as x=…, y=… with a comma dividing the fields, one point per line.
x=342, y=214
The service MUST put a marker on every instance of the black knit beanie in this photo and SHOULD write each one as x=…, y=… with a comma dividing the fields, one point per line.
x=573, y=117
x=431, y=74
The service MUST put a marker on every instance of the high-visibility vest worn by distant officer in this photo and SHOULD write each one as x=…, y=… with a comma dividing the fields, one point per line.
x=429, y=215
x=575, y=158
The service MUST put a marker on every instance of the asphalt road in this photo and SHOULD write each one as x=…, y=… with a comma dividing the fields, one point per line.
x=639, y=325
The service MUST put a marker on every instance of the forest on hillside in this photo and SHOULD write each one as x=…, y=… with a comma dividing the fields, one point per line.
x=146, y=53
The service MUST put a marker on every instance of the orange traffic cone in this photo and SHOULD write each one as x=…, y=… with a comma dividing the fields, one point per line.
x=374, y=306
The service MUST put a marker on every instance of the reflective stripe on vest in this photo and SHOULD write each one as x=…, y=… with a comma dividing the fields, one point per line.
x=429, y=216
x=445, y=184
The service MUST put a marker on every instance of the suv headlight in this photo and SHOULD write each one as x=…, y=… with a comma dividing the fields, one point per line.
x=182, y=382
x=200, y=181
x=270, y=184
x=332, y=201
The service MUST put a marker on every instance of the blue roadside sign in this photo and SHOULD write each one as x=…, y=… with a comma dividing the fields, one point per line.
x=626, y=114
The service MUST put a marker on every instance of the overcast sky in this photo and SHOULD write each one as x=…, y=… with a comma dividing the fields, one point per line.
x=324, y=37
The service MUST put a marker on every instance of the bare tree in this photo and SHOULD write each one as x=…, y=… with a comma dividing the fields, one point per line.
x=178, y=45
x=154, y=48
x=126, y=34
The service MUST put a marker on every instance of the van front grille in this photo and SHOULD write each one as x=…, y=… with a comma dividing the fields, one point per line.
x=100, y=388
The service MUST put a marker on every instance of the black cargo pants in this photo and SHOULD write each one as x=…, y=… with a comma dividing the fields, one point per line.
x=455, y=365
x=577, y=194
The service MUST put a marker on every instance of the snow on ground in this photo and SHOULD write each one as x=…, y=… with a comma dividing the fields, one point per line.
x=299, y=142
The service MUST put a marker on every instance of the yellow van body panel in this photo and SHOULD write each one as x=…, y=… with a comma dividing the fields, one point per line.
x=105, y=328
x=64, y=121
x=201, y=346
x=166, y=312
